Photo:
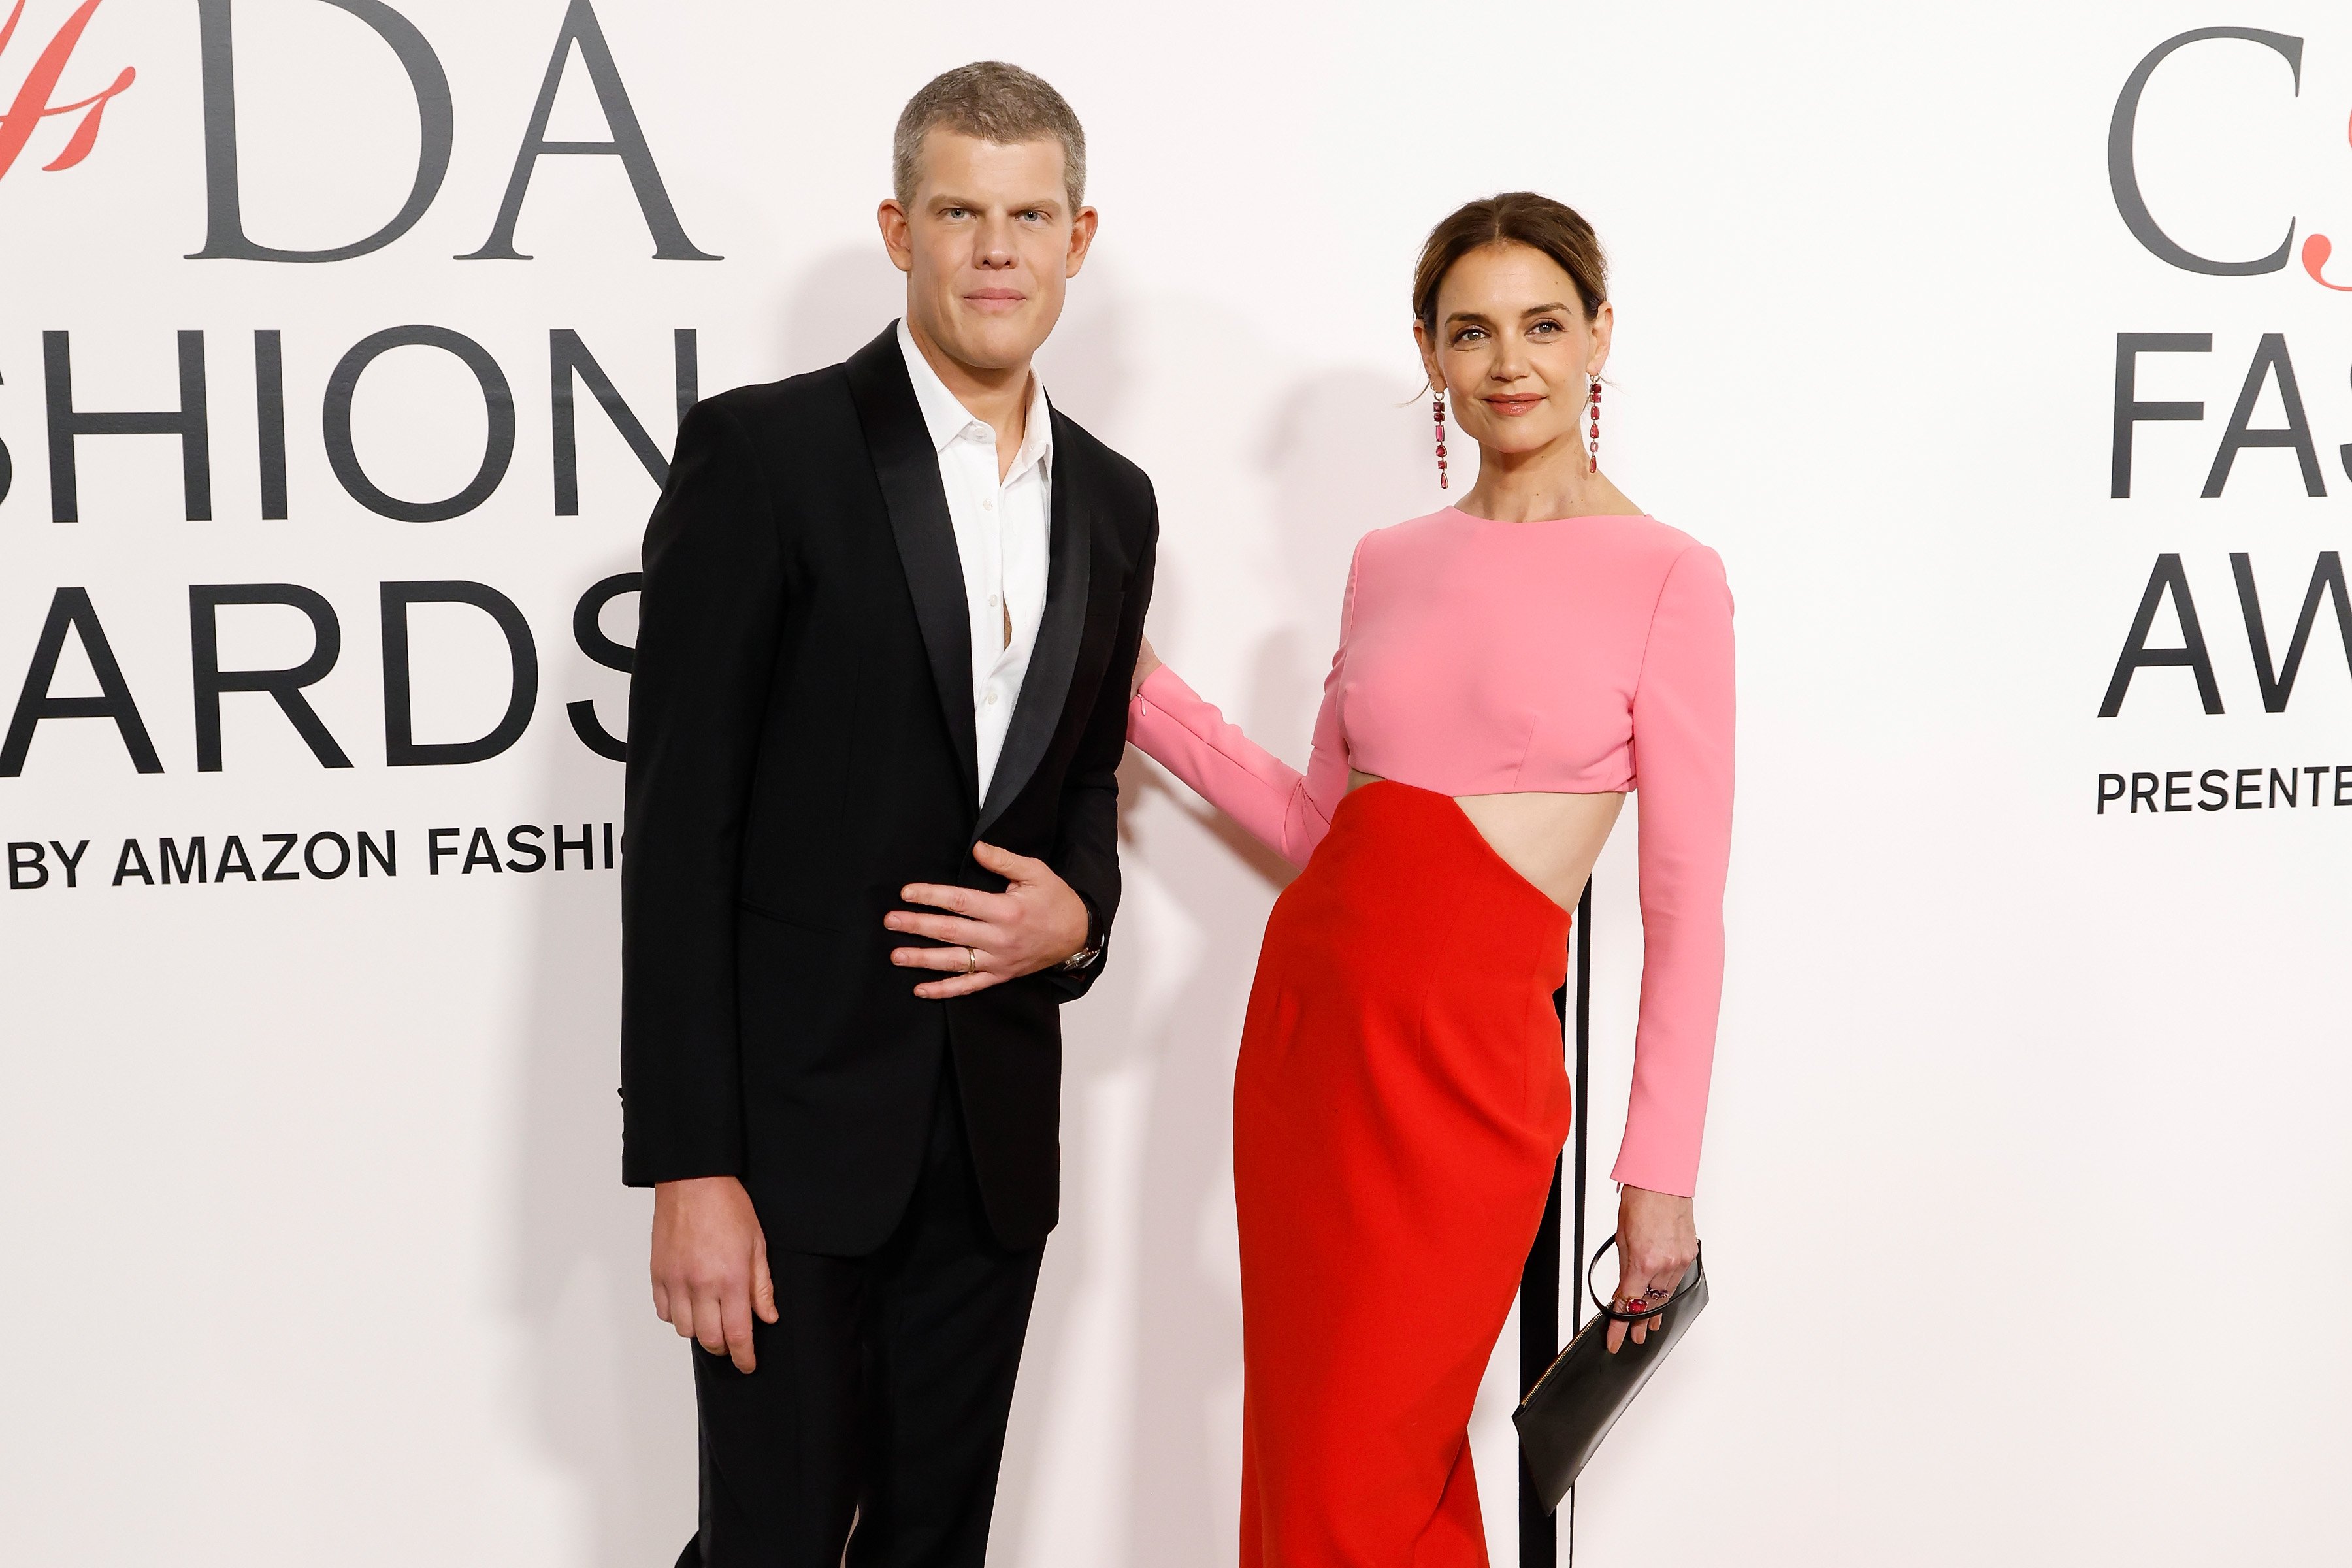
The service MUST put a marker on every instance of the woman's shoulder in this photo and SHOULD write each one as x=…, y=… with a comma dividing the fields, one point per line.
x=1376, y=547
x=1412, y=528
x=1641, y=532
x=1642, y=547
x=1413, y=538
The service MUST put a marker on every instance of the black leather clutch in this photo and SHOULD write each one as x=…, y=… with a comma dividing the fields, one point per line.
x=1580, y=1396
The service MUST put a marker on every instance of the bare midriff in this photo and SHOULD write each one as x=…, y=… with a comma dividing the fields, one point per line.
x=1550, y=839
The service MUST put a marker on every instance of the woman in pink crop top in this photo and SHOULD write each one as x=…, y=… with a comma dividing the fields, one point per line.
x=1508, y=669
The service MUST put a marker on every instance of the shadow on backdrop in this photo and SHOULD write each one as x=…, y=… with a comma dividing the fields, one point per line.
x=838, y=306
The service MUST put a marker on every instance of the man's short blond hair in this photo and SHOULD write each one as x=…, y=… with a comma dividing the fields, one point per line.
x=995, y=102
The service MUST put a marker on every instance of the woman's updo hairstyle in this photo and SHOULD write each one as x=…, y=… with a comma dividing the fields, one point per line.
x=1515, y=217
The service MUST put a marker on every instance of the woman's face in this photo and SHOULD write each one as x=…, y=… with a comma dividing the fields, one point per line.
x=1513, y=347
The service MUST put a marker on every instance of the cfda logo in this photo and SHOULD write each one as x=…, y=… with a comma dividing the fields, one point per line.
x=2122, y=167
x=225, y=238
x=32, y=103
x=578, y=35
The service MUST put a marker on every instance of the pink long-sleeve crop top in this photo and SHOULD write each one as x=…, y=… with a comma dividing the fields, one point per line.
x=1583, y=656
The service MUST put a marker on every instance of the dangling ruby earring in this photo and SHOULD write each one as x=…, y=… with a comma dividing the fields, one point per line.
x=1437, y=412
x=1592, y=447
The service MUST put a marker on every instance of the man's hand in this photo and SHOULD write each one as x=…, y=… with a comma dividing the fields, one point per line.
x=1036, y=922
x=710, y=1264
x=1657, y=1240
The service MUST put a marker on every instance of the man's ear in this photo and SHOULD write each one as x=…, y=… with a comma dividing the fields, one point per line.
x=897, y=234
x=1082, y=239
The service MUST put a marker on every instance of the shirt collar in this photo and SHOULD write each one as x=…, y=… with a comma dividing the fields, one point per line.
x=946, y=419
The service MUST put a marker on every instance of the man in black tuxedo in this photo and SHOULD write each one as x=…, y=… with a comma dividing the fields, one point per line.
x=889, y=617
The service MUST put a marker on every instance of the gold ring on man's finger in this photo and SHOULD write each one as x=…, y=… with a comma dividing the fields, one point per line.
x=972, y=960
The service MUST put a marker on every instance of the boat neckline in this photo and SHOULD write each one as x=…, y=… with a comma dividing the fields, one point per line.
x=1540, y=521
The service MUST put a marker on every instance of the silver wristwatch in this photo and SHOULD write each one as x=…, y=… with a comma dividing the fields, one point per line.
x=1086, y=957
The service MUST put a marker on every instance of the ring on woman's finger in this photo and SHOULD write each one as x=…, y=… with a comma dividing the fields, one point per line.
x=972, y=960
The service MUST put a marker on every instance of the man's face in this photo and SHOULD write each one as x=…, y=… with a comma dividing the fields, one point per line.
x=989, y=247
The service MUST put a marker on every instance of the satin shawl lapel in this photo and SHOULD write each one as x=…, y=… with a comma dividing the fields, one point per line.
x=908, y=467
x=1046, y=686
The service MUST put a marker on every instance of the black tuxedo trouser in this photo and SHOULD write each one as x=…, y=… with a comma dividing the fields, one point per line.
x=880, y=1395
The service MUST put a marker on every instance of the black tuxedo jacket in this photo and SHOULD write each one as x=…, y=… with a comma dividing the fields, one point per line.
x=801, y=746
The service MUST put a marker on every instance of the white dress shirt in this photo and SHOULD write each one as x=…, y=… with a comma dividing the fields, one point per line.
x=1001, y=533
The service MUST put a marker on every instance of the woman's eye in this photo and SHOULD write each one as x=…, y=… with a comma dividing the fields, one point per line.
x=1545, y=329
x=1469, y=334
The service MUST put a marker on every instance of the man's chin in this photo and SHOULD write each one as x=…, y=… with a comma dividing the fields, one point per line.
x=992, y=341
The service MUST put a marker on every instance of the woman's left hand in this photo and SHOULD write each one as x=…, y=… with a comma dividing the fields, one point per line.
x=1146, y=661
x=1657, y=1239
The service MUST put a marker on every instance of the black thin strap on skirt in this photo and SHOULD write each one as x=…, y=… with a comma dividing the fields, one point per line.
x=1583, y=1124
x=1539, y=1337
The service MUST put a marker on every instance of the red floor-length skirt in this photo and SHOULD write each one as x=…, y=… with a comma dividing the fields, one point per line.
x=1398, y=1102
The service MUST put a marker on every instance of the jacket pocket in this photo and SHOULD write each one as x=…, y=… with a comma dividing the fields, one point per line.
x=780, y=917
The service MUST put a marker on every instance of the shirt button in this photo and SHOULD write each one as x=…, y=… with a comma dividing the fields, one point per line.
x=988, y=503
x=992, y=601
x=992, y=700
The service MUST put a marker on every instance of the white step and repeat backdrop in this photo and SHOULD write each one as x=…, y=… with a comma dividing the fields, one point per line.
x=2000, y=350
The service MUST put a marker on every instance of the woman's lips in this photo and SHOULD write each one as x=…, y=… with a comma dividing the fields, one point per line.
x=1511, y=407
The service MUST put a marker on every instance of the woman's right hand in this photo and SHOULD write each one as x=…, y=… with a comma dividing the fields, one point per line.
x=1657, y=1241
x=1146, y=661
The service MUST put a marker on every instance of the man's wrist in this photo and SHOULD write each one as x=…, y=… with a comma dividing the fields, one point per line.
x=1090, y=944
x=682, y=1183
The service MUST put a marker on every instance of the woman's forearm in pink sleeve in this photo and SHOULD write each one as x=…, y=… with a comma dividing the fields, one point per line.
x=1175, y=726
x=1683, y=729
x=1284, y=810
